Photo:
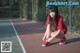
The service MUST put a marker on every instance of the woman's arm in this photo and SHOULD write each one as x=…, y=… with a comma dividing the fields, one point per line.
x=48, y=29
x=47, y=32
x=54, y=35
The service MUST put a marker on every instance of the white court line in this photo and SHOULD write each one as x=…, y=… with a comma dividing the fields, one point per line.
x=21, y=44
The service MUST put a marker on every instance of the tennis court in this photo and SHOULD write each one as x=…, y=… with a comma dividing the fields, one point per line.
x=8, y=33
x=22, y=26
x=26, y=37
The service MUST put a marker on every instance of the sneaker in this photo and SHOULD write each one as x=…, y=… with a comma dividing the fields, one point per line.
x=63, y=41
x=45, y=44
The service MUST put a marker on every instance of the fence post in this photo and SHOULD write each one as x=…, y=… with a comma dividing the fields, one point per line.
x=70, y=18
x=34, y=10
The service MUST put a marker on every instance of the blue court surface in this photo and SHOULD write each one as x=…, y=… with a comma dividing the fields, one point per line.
x=8, y=33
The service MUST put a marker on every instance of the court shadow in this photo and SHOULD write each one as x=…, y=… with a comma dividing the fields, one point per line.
x=68, y=41
x=73, y=40
x=53, y=43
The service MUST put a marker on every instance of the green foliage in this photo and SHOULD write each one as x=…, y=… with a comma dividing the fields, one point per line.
x=37, y=10
x=41, y=10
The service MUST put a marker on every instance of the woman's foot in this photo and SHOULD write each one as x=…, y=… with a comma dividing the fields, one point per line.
x=44, y=39
x=63, y=41
x=46, y=43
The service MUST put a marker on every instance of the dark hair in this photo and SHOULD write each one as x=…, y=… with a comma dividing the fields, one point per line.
x=54, y=9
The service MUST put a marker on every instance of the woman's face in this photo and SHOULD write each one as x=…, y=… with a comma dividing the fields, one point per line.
x=52, y=14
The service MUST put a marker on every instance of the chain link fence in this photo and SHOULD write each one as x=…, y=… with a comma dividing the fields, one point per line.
x=71, y=16
x=39, y=12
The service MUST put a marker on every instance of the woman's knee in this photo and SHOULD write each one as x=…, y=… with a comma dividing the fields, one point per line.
x=52, y=33
x=59, y=35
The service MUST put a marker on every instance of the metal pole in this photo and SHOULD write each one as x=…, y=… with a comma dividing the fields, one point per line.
x=70, y=18
x=32, y=10
x=10, y=9
x=34, y=13
x=20, y=9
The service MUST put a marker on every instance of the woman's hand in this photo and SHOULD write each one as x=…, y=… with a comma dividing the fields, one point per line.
x=44, y=37
x=47, y=32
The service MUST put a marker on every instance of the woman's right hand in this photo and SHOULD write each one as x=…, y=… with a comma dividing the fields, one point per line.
x=44, y=37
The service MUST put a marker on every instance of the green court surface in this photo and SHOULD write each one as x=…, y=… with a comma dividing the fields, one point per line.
x=7, y=33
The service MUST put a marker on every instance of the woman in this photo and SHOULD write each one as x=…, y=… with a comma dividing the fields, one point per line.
x=55, y=27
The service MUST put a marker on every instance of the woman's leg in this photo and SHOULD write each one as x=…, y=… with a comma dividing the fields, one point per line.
x=60, y=35
x=48, y=35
